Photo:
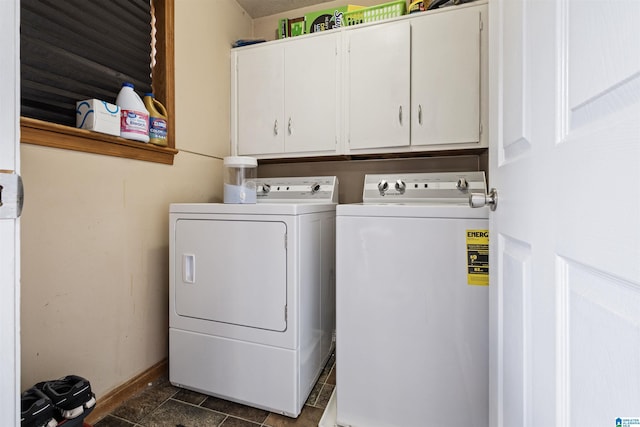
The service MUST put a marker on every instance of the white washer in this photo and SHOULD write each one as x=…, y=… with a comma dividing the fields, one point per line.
x=412, y=305
x=252, y=294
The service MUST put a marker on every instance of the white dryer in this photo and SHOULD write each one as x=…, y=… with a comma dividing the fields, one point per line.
x=412, y=304
x=252, y=293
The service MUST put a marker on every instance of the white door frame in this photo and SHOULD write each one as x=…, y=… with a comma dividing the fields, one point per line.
x=10, y=228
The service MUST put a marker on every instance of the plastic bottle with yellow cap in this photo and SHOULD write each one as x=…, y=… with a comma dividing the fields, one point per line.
x=158, y=118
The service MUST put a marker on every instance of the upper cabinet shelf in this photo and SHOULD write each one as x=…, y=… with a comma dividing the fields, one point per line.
x=412, y=84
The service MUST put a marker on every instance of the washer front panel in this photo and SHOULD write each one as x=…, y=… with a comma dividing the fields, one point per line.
x=403, y=299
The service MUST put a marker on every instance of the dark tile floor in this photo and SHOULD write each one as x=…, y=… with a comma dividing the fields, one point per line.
x=162, y=404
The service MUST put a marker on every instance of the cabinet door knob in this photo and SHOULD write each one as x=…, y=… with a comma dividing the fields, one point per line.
x=420, y=114
x=275, y=127
x=289, y=126
x=400, y=115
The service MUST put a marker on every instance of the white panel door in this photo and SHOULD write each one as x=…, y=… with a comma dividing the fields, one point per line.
x=312, y=94
x=260, y=81
x=445, y=77
x=233, y=272
x=377, y=85
x=10, y=228
x=565, y=158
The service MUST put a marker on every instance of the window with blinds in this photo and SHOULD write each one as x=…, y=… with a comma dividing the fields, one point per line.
x=73, y=50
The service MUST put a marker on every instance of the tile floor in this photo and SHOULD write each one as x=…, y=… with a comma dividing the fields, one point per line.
x=162, y=405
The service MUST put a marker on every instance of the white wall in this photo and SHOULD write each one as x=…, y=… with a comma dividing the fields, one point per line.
x=95, y=228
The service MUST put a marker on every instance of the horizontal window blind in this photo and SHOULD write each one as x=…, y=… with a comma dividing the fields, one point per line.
x=73, y=50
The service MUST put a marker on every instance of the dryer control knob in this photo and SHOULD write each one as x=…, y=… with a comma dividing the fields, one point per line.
x=266, y=188
x=400, y=186
x=383, y=186
x=315, y=188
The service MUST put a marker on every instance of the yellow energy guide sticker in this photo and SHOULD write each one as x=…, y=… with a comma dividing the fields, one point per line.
x=478, y=257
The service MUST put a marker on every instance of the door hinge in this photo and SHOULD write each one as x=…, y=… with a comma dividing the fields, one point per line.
x=286, y=313
x=481, y=23
x=481, y=129
x=285, y=241
x=11, y=195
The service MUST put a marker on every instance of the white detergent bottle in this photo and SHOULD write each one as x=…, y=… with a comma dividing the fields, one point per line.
x=134, y=119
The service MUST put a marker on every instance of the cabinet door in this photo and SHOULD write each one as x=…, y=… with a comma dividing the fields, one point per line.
x=311, y=94
x=377, y=85
x=260, y=100
x=445, y=77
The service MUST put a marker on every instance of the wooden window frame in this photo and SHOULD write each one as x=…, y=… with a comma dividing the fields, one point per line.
x=39, y=132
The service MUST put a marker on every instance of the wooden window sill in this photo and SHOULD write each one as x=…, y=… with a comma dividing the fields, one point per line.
x=47, y=134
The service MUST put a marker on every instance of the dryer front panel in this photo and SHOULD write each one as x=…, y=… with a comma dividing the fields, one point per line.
x=232, y=271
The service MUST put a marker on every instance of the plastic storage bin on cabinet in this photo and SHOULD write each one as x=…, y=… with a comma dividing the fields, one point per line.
x=376, y=13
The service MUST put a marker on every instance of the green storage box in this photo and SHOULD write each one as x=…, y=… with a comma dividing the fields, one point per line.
x=290, y=27
x=296, y=27
x=283, y=30
x=327, y=19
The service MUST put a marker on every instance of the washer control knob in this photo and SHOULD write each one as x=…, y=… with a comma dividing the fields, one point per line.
x=266, y=188
x=400, y=186
x=315, y=188
x=383, y=186
x=462, y=184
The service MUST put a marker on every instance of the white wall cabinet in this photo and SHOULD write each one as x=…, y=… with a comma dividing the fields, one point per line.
x=416, y=83
x=377, y=86
x=286, y=98
x=260, y=101
x=446, y=72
